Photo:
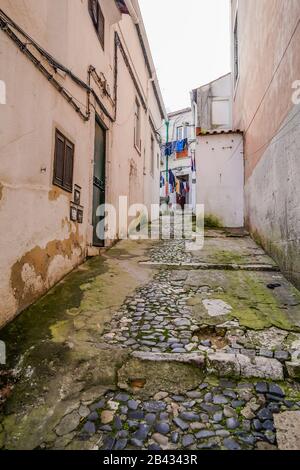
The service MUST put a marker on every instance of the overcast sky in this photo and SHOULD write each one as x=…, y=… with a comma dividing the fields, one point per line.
x=190, y=44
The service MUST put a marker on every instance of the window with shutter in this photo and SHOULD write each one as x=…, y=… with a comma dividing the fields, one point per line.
x=236, y=50
x=98, y=19
x=137, y=126
x=63, y=162
x=59, y=159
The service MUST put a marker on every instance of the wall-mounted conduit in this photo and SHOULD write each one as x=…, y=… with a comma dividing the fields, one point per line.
x=8, y=26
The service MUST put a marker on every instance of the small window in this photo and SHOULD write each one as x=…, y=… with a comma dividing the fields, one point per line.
x=180, y=133
x=98, y=20
x=63, y=162
x=236, y=50
x=137, y=125
x=152, y=163
x=220, y=112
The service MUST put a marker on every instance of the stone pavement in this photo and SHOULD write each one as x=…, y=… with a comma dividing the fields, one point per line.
x=156, y=347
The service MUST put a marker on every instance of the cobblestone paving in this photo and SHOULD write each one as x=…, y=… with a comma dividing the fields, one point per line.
x=156, y=319
x=170, y=252
x=221, y=415
x=135, y=408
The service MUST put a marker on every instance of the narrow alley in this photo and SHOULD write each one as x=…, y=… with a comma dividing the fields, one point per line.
x=154, y=347
x=150, y=231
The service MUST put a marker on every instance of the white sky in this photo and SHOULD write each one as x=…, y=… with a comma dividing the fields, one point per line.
x=190, y=43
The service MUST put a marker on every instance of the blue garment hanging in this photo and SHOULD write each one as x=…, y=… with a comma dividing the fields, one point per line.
x=170, y=148
x=172, y=180
x=181, y=145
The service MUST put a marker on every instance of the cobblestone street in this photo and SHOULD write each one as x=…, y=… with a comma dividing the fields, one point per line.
x=163, y=349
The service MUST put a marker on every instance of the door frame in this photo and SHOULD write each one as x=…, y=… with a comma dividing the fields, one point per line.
x=100, y=122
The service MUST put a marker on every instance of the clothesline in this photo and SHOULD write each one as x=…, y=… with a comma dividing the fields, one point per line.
x=175, y=184
x=175, y=146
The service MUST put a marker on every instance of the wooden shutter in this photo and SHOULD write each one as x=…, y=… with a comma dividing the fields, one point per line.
x=98, y=19
x=101, y=27
x=68, y=166
x=59, y=159
x=93, y=9
x=63, y=162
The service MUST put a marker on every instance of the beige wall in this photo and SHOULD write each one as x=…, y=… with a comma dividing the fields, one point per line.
x=38, y=242
x=269, y=63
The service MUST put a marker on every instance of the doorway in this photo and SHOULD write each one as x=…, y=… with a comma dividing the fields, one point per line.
x=99, y=182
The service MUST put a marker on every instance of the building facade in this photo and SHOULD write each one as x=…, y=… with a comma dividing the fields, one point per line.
x=179, y=163
x=212, y=104
x=266, y=73
x=78, y=129
x=218, y=155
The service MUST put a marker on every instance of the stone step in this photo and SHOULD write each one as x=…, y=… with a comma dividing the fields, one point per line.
x=222, y=364
x=214, y=266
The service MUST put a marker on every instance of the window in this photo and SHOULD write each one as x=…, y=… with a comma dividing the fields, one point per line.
x=137, y=126
x=152, y=156
x=186, y=132
x=98, y=19
x=180, y=133
x=236, y=50
x=63, y=162
x=220, y=113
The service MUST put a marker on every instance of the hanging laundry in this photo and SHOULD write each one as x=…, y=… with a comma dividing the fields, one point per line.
x=181, y=187
x=177, y=186
x=181, y=145
x=170, y=148
x=172, y=180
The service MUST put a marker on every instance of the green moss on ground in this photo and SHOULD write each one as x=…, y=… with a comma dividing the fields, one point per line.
x=211, y=221
x=253, y=304
x=50, y=314
x=227, y=257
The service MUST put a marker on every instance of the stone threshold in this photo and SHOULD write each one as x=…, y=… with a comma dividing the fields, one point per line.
x=222, y=365
x=214, y=266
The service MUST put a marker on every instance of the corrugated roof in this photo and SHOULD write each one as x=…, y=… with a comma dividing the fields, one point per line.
x=202, y=132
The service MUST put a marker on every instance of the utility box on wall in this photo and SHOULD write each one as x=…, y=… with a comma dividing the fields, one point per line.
x=220, y=177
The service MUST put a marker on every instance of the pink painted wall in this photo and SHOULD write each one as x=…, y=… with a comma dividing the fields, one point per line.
x=269, y=64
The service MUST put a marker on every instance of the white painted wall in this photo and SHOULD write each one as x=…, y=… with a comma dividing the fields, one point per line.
x=220, y=177
x=214, y=104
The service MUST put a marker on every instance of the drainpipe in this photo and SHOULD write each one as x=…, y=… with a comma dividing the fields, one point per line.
x=132, y=11
x=167, y=123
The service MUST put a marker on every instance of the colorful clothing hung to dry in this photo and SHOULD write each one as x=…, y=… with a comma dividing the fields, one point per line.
x=169, y=149
x=172, y=181
x=181, y=145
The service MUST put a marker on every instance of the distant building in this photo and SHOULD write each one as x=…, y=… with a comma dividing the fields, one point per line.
x=180, y=161
x=218, y=155
x=212, y=104
x=265, y=38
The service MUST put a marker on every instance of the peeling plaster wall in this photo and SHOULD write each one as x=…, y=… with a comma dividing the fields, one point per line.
x=39, y=244
x=269, y=64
